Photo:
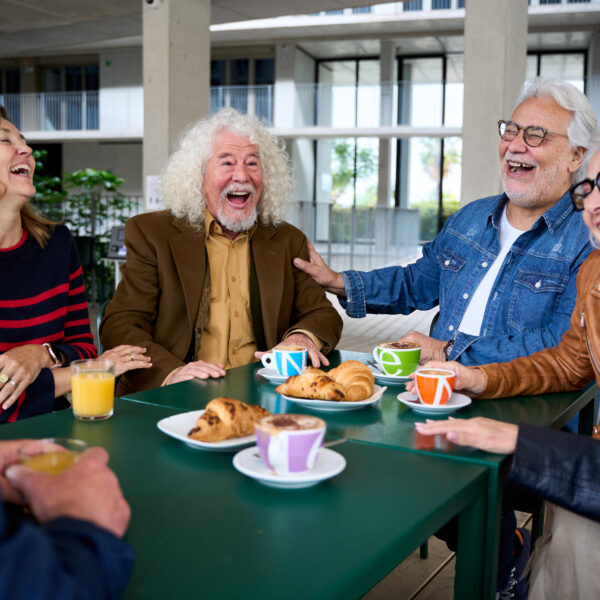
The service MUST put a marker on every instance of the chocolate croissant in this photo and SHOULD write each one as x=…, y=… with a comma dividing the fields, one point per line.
x=357, y=379
x=226, y=418
x=313, y=383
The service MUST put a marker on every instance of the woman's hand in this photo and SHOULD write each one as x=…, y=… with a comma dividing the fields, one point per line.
x=20, y=366
x=482, y=433
x=127, y=358
x=471, y=381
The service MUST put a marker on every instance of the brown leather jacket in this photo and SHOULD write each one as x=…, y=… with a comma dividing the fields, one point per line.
x=566, y=367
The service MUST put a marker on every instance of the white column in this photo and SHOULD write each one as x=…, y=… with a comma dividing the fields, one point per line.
x=176, y=56
x=593, y=72
x=387, y=79
x=494, y=67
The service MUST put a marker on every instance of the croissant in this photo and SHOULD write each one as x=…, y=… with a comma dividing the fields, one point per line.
x=313, y=383
x=356, y=377
x=226, y=418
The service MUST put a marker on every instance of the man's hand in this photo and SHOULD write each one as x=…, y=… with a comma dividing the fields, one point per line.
x=88, y=490
x=300, y=339
x=431, y=349
x=327, y=278
x=9, y=455
x=482, y=433
x=20, y=366
x=471, y=381
x=196, y=370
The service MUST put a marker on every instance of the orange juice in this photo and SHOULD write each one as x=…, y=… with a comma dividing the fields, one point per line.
x=51, y=462
x=93, y=394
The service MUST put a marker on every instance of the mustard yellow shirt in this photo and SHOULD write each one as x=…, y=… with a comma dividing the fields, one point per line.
x=227, y=336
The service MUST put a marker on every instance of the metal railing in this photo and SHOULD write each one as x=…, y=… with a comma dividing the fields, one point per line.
x=53, y=111
x=358, y=237
x=250, y=99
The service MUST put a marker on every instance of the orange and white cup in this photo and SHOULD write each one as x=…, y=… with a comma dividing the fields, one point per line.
x=434, y=386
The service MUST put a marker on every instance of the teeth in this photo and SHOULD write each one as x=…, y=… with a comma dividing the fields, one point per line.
x=20, y=169
x=238, y=193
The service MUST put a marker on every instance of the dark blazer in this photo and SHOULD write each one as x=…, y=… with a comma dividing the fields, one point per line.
x=156, y=303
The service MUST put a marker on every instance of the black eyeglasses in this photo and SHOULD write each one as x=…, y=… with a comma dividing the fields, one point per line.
x=532, y=134
x=580, y=191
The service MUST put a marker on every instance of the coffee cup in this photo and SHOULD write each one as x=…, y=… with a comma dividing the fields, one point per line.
x=286, y=360
x=397, y=358
x=289, y=443
x=434, y=386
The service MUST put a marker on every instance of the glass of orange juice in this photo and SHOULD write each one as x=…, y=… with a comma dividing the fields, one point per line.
x=93, y=389
x=52, y=455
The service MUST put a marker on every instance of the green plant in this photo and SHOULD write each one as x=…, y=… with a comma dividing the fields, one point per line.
x=49, y=196
x=89, y=202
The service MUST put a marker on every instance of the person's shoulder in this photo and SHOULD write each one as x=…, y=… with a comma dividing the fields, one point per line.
x=159, y=222
x=590, y=267
x=282, y=231
x=480, y=206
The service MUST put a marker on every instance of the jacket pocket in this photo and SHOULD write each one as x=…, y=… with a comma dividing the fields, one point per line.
x=535, y=298
x=450, y=264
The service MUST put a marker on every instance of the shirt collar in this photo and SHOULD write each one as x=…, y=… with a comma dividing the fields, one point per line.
x=553, y=217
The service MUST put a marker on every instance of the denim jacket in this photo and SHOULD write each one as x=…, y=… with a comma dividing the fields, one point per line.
x=530, y=304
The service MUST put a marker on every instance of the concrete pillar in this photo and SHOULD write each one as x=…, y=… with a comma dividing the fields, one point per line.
x=176, y=67
x=593, y=72
x=387, y=79
x=494, y=68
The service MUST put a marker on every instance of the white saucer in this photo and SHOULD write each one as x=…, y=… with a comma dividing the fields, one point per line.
x=178, y=427
x=456, y=402
x=382, y=377
x=335, y=406
x=272, y=375
x=328, y=464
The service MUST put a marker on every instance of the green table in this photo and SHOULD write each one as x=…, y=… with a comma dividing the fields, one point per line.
x=390, y=424
x=200, y=529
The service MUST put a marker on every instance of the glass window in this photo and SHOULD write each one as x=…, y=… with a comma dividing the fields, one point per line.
x=413, y=5
x=421, y=92
x=368, y=94
x=218, y=72
x=92, y=77
x=239, y=71
x=264, y=71
x=453, y=110
x=569, y=67
x=73, y=79
x=440, y=4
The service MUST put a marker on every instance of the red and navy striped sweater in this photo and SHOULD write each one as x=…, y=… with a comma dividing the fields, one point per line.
x=42, y=299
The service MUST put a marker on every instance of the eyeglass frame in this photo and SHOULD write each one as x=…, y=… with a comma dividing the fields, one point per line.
x=525, y=129
x=594, y=182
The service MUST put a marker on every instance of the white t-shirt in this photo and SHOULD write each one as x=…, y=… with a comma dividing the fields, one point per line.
x=473, y=317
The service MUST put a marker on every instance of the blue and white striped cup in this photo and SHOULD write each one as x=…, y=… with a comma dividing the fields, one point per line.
x=287, y=360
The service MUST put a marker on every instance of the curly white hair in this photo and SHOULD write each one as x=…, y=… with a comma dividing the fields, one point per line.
x=182, y=179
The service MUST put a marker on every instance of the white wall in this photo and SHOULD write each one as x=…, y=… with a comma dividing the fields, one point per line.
x=124, y=160
x=121, y=92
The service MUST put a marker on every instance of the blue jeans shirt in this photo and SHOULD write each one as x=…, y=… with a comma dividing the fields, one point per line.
x=530, y=304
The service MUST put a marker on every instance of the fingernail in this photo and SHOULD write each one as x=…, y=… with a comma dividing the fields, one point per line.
x=13, y=471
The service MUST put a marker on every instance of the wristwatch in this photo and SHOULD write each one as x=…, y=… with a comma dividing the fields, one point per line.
x=448, y=348
x=58, y=362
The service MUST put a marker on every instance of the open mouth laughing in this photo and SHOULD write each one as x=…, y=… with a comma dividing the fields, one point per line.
x=22, y=169
x=519, y=168
x=238, y=195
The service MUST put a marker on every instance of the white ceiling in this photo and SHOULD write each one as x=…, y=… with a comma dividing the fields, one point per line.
x=33, y=27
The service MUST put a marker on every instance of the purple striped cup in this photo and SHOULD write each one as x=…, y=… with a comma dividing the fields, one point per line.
x=289, y=444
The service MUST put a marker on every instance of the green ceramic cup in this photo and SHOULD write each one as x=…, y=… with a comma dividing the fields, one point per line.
x=397, y=359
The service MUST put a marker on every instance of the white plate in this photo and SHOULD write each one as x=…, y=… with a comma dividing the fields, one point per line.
x=334, y=406
x=178, y=427
x=272, y=375
x=382, y=377
x=328, y=464
x=456, y=402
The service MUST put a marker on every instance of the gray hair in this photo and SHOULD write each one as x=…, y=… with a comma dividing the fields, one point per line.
x=183, y=176
x=584, y=123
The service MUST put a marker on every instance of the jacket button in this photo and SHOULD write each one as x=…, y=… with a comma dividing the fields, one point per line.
x=538, y=284
x=451, y=328
x=484, y=264
x=446, y=262
x=465, y=296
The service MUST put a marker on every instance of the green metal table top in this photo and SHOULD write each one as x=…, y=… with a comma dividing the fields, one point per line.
x=388, y=422
x=201, y=529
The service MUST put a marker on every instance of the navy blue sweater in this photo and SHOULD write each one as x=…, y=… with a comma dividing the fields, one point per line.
x=42, y=299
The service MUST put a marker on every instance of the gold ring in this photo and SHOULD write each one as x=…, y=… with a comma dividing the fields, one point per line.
x=3, y=377
x=13, y=382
